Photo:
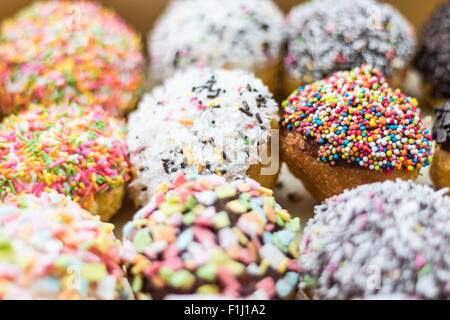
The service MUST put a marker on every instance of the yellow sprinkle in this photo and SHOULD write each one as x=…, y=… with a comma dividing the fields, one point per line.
x=162, y=187
x=283, y=265
x=138, y=267
x=264, y=266
x=284, y=215
x=266, y=191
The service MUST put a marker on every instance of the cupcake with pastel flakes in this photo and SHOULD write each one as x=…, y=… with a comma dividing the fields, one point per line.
x=201, y=237
x=50, y=248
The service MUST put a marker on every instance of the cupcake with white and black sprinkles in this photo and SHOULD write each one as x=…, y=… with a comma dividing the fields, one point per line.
x=381, y=239
x=203, y=122
x=327, y=36
x=50, y=248
x=201, y=237
x=233, y=34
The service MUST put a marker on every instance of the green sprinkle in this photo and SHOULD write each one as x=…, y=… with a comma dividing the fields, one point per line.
x=207, y=272
x=225, y=191
x=142, y=239
x=425, y=270
x=181, y=278
x=94, y=271
x=100, y=125
x=310, y=281
x=11, y=186
x=190, y=202
x=137, y=283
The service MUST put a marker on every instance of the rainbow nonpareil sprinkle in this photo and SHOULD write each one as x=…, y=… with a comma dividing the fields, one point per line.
x=201, y=235
x=354, y=117
x=76, y=151
x=69, y=51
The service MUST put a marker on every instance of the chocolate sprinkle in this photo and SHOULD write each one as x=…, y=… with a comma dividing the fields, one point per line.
x=441, y=129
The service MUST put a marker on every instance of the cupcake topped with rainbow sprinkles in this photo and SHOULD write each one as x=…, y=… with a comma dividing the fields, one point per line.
x=77, y=151
x=69, y=51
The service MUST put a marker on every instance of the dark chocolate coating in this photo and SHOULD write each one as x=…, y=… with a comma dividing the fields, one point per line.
x=441, y=129
x=433, y=58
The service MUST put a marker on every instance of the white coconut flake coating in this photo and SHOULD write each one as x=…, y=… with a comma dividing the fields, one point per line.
x=200, y=121
x=378, y=240
x=325, y=36
x=234, y=34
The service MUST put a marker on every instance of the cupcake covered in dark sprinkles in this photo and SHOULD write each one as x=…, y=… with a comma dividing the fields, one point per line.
x=440, y=168
x=433, y=58
x=378, y=240
x=327, y=36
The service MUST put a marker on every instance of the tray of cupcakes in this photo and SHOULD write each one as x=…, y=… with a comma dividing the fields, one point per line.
x=243, y=153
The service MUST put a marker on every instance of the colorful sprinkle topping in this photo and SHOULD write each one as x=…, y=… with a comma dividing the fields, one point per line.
x=77, y=151
x=354, y=117
x=52, y=249
x=69, y=51
x=379, y=240
x=201, y=235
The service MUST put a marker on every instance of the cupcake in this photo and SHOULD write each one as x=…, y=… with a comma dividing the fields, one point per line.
x=69, y=51
x=203, y=237
x=52, y=249
x=202, y=122
x=383, y=240
x=351, y=129
x=233, y=34
x=77, y=151
x=327, y=36
x=433, y=58
x=440, y=169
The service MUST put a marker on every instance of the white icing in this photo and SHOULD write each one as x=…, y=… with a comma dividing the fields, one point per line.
x=155, y=132
x=237, y=34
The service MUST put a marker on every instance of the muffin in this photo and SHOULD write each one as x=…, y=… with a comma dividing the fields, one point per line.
x=433, y=58
x=327, y=36
x=77, y=151
x=233, y=34
x=440, y=169
x=201, y=236
x=382, y=240
x=53, y=249
x=56, y=52
x=351, y=129
x=202, y=122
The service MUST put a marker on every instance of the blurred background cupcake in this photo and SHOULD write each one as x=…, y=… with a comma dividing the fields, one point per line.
x=433, y=57
x=324, y=36
x=231, y=34
x=69, y=51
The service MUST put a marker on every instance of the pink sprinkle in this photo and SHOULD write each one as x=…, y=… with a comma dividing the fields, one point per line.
x=227, y=278
x=420, y=260
x=171, y=251
x=179, y=179
x=267, y=285
x=57, y=163
x=331, y=268
x=173, y=263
